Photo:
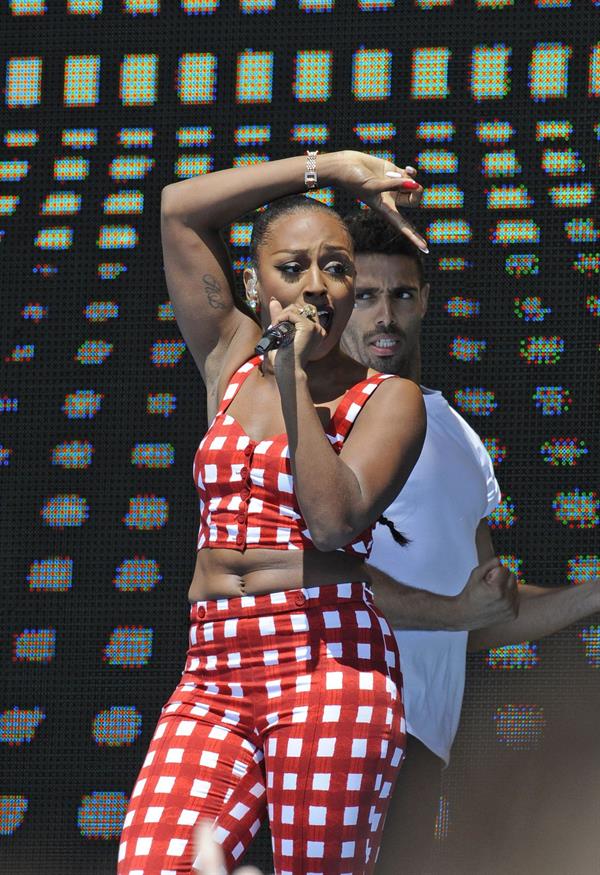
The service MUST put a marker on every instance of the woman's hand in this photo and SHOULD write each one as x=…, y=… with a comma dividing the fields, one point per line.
x=382, y=186
x=307, y=332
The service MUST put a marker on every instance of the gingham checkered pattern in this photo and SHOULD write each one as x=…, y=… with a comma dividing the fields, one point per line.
x=290, y=703
x=246, y=487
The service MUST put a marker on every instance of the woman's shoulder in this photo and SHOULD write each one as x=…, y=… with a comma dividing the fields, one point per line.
x=389, y=392
x=391, y=410
x=372, y=373
x=384, y=393
x=359, y=381
x=394, y=384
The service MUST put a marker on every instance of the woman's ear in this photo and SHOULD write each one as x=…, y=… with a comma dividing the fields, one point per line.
x=250, y=278
x=250, y=283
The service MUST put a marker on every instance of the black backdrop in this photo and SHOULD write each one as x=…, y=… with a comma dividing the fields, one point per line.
x=99, y=512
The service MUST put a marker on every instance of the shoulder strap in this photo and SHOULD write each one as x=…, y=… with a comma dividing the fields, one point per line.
x=351, y=405
x=236, y=382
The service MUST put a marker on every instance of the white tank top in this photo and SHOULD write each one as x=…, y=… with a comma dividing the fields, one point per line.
x=450, y=489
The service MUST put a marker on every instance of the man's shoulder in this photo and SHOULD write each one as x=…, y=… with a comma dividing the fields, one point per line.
x=449, y=420
x=440, y=408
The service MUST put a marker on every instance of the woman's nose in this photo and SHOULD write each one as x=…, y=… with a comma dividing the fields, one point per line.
x=315, y=282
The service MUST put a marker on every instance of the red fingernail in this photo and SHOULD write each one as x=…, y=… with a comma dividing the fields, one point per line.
x=409, y=183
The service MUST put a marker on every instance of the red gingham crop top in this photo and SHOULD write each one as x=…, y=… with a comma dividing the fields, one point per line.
x=246, y=487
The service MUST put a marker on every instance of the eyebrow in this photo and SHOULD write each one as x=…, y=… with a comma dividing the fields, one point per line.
x=328, y=246
x=404, y=288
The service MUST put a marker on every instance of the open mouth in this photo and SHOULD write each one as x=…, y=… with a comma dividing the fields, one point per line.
x=325, y=317
x=385, y=345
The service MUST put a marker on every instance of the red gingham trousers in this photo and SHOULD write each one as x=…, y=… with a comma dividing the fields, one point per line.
x=290, y=703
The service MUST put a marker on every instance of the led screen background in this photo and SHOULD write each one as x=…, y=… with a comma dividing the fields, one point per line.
x=497, y=105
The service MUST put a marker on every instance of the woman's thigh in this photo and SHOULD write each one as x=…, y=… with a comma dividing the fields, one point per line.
x=312, y=679
x=197, y=767
x=333, y=754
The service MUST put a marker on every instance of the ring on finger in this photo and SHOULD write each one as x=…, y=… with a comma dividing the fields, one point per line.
x=308, y=310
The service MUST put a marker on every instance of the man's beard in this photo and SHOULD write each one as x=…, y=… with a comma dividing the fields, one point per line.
x=398, y=363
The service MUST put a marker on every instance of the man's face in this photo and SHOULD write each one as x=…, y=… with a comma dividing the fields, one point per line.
x=390, y=302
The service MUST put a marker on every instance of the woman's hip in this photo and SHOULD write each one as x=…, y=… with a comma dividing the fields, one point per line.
x=262, y=650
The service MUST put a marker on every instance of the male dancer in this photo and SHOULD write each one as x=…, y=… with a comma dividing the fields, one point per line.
x=442, y=509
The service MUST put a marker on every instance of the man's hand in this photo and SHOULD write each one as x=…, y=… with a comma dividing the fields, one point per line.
x=490, y=596
x=490, y=592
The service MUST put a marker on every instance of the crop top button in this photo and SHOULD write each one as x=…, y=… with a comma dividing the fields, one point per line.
x=299, y=599
x=201, y=613
x=244, y=472
x=248, y=450
x=239, y=539
x=241, y=516
x=245, y=493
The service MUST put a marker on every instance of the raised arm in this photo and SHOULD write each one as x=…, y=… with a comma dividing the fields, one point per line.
x=197, y=268
x=543, y=609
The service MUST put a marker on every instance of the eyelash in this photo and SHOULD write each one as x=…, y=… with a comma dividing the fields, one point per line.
x=398, y=297
x=291, y=275
x=288, y=276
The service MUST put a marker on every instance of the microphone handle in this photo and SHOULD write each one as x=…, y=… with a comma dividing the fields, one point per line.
x=274, y=337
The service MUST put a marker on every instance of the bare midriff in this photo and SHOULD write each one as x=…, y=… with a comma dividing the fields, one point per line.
x=223, y=573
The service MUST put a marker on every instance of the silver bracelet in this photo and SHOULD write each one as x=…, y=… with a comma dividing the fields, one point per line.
x=310, y=174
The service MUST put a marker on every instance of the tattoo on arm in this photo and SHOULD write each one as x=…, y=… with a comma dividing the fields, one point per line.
x=213, y=292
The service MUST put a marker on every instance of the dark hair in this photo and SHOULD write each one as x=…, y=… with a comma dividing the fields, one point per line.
x=396, y=535
x=281, y=207
x=372, y=235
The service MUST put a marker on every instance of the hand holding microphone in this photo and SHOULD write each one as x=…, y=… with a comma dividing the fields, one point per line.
x=281, y=334
x=275, y=336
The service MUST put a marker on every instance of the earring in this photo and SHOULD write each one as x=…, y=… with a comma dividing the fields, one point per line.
x=251, y=293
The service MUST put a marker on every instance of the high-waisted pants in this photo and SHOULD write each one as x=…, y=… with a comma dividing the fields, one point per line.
x=290, y=703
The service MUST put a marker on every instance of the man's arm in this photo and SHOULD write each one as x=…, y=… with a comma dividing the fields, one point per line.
x=490, y=596
x=543, y=610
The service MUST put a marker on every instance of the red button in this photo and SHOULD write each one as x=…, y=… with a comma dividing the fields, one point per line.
x=201, y=613
x=299, y=599
x=241, y=517
x=245, y=493
x=248, y=451
x=239, y=539
x=244, y=472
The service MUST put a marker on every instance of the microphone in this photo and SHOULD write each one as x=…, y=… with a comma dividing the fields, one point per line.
x=274, y=337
